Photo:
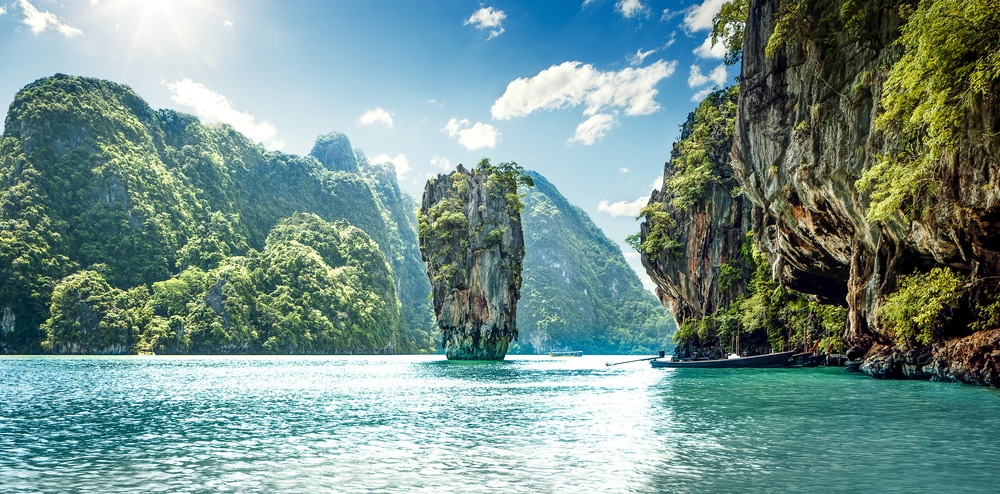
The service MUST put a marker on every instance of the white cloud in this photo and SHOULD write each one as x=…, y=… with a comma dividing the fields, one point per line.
x=573, y=83
x=487, y=18
x=699, y=17
x=227, y=24
x=700, y=95
x=629, y=8
x=708, y=50
x=656, y=183
x=214, y=107
x=3, y=9
x=441, y=163
x=400, y=163
x=378, y=115
x=473, y=137
x=623, y=170
x=39, y=21
x=640, y=56
x=593, y=129
x=717, y=77
x=623, y=208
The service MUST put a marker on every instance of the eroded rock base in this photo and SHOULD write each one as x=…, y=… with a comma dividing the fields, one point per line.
x=458, y=346
x=974, y=359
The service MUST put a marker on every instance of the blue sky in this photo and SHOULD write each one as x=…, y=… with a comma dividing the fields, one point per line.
x=590, y=93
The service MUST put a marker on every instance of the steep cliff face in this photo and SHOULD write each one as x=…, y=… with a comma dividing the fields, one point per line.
x=471, y=240
x=803, y=137
x=805, y=134
x=707, y=223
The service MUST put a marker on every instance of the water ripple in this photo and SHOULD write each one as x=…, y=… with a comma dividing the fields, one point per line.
x=421, y=424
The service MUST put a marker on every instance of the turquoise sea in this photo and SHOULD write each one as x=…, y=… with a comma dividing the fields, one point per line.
x=528, y=424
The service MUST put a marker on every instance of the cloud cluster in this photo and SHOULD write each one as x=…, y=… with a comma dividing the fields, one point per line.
x=40, y=21
x=400, y=163
x=639, y=57
x=593, y=129
x=626, y=208
x=570, y=84
x=630, y=8
x=623, y=208
x=378, y=115
x=487, y=18
x=212, y=107
x=699, y=17
x=472, y=136
x=718, y=76
x=441, y=163
x=715, y=79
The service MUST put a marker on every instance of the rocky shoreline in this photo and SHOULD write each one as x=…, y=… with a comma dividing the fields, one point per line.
x=974, y=359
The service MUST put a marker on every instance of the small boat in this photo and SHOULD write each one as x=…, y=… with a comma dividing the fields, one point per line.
x=572, y=353
x=768, y=360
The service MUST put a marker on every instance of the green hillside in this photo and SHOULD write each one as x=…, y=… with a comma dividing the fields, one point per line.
x=99, y=188
x=578, y=291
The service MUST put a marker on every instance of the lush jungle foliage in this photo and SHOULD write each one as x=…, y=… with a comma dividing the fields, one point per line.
x=578, y=292
x=918, y=311
x=768, y=317
x=97, y=188
x=696, y=160
x=951, y=59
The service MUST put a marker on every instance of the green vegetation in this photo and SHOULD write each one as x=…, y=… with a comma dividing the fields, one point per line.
x=444, y=230
x=86, y=312
x=728, y=26
x=794, y=23
x=918, y=311
x=706, y=137
x=505, y=177
x=950, y=60
x=578, y=291
x=317, y=287
x=104, y=200
x=697, y=160
x=767, y=317
x=658, y=239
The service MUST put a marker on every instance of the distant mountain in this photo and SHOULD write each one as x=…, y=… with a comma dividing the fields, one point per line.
x=97, y=189
x=126, y=229
x=578, y=291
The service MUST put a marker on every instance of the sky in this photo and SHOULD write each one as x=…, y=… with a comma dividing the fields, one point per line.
x=589, y=93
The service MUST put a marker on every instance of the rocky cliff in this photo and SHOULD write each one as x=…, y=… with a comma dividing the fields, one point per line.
x=807, y=132
x=701, y=270
x=471, y=239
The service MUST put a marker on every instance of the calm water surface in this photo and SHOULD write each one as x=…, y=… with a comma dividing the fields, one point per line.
x=528, y=424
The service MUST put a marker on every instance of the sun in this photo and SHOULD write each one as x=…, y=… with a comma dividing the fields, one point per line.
x=162, y=28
